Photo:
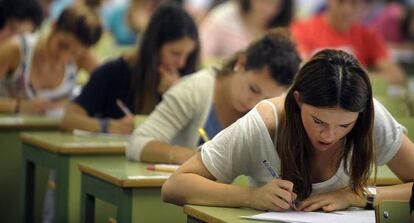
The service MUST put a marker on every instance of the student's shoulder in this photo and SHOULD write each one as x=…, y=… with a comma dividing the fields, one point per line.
x=267, y=108
x=10, y=52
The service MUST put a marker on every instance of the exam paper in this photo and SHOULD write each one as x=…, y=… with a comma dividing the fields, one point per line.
x=362, y=216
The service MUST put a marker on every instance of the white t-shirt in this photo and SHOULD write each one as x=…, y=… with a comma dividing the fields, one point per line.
x=241, y=148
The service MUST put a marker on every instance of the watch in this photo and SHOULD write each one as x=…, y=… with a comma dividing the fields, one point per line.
x=370, y=192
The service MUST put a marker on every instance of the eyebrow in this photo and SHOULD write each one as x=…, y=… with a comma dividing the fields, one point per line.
x=339, y=124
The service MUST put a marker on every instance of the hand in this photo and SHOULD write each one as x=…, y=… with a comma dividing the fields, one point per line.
x=36, y=106
x=168, y=76
x=124, y=125
x=331, y=201
x=277, y=195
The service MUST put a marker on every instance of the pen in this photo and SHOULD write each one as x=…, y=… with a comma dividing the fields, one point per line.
x=274, y=174
x=203, y=134
x=170, y=168
x=123, y=108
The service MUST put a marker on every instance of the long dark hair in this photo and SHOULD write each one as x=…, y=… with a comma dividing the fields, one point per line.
x=274, y=51
x=331, y=78
x=168, y=23
x=282, y=18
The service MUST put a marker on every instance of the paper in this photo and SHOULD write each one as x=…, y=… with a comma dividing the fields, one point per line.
x=78, y=132
x=317, y=217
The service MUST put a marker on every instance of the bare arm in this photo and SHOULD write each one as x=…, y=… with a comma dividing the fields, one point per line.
x=192, y=183
x=403, y=166
x=8, y=105
x=159, y=152
x=77, y=117
x=9, y=57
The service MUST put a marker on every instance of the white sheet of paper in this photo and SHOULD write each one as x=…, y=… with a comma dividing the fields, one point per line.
x=317, y=217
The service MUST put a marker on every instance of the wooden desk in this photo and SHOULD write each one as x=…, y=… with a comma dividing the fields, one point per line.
x=135, y=191
x=11, y=160
x=62, y=152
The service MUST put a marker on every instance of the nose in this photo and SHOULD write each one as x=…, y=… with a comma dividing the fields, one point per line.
x=181, y=61
x=327, y=134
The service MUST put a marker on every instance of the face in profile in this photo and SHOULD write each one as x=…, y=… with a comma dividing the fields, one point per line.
x=174, y=55
x=248, y=88
x=345, y=11
x=65, y=47
x=266, y=9
x=326, y=127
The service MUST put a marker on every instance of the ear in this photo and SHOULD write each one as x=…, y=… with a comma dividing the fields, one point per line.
x=240, y=63
x=298, y=100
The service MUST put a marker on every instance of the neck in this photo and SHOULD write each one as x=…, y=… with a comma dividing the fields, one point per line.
x=336, y=23
x=254, y=22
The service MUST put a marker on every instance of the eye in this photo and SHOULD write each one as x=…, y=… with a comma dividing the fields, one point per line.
x=344, y=126
x=317, y=121
x=254, y=90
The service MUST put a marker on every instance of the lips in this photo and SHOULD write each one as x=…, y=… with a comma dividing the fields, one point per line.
x=324, y=143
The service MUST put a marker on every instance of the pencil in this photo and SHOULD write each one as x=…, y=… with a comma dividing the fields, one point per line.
x=123, y=108
x=203, y=134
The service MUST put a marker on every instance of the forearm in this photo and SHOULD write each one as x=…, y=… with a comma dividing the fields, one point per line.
x=74, y=119
x=158, y=152
x=8, y=105
x=189, y=188
x=395, y=192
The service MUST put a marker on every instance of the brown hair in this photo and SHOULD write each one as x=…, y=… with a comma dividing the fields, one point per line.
x=274, y=51
x=82, y=22
x=331, y=78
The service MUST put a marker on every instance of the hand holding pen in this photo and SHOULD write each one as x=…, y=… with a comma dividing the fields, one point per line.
x=277, y=195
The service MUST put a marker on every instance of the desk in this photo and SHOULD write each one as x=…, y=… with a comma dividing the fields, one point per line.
x=62, y=152
x=11, y=159
x=197, y=213
x=135, y=191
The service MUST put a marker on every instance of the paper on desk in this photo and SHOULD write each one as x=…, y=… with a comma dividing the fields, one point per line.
x=317, y=217
x=78, y=132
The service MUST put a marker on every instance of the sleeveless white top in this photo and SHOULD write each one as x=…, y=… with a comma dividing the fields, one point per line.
x=17, y=84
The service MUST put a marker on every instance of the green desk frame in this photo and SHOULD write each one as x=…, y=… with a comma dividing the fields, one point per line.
x=133, y=190
x=11, y=161
x=62, y=152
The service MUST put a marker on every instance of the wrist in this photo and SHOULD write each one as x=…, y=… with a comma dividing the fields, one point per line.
x=104, y=125
x=370, y=193
x=17, y=106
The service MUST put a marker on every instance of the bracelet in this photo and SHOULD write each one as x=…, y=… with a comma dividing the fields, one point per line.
x=104, y=123
x=17, y=106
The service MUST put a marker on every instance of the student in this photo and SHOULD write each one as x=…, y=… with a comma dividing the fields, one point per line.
x=127, y=21
x=37, y=73
x=412, y=204
x=323, y=138
x=169, y=49
x=338, y=28
x=233, y=25
x=18, y=17
x=213, y=99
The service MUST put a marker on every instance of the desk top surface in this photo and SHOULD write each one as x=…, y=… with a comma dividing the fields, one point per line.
x=124, y=173
x=9, y=122
x=67, y=143
x=220, y=214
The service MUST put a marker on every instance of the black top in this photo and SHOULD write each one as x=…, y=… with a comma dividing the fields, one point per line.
x=412, y=199
x=108, y=82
